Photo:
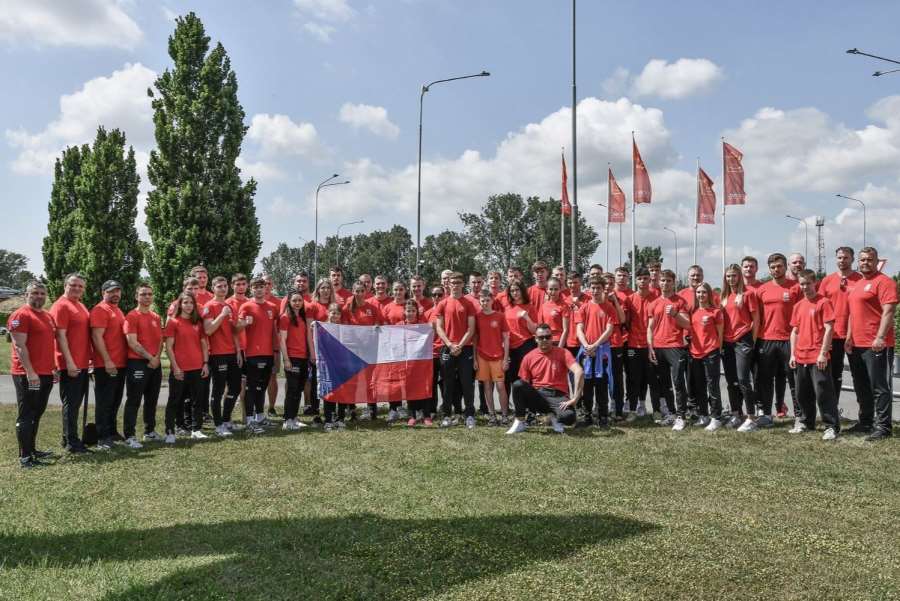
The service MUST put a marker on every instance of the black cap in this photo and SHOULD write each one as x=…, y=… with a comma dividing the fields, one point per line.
x=110, y=285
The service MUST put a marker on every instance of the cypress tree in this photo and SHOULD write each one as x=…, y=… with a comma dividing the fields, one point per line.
x=61, y=225
x=199, y=211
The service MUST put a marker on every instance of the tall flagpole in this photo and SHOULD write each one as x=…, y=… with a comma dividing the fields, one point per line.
x=620, y=243
x=633, y=235
x=562, y=224
x=574, y=236
x=695, y=216
x=724, y=204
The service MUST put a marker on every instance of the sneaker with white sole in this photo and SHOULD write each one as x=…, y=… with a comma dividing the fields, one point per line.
x=152, y=437
x=799, y=427
x=402, y=413
x=830, y=434
x=557, y=427
x=446, y=422
x=749, y=425
x=713, y=425
x=198, y=435
x=392, y=416
x=734, y=422
x=182, y=432
x=170, y=439
x=702, y=420
x=679, y=424
x=667, y=420
x=764, y=421
x=289, y=424
x=132, y=443
x=641, y=409
x=328, y=427
x=223, y=432
x=517, y=427
x=470, y=422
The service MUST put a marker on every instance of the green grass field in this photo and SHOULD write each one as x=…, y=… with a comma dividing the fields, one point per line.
x=5, y=357
x=387, y=513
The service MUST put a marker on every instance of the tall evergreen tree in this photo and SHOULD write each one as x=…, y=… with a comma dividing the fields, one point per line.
x=199, y=211
x=61, y=226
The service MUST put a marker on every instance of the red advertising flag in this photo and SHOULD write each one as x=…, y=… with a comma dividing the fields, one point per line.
x=616, y=201
x=706, y=198
x=734, y=175
x=640, y=177
x=565, y=207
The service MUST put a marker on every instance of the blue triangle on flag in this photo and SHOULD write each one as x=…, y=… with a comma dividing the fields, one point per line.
x=336, y=363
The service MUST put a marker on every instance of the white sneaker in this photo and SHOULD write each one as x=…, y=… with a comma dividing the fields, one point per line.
x=300, y=424
x=392, y=416
x=713, y=425
x=223, y=432
x=198, y=435
x=557, y=427
x=132, y=443
x=446, y=423
x=641, y=409
x=152, y=437
x=402, y=413
x=703, y=420
x=228, y=426
x=611, y=407
x=170, y=439
x=517, y=427
x=470, y=422
x=679, y=424
x=290, y=424
x=799, y=427
x=749, y=425
x=830, y=434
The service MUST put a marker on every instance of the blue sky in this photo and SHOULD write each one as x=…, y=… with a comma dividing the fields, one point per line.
x=332, y=86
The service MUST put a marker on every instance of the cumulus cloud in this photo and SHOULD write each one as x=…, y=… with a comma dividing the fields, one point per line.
x=323, y=16
x=84, y=23
x=373, y=118
x=261, y=171
x=320, y=31
x=280, y=135
x=682, y=78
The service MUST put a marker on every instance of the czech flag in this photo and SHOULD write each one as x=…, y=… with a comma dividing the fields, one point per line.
x=370, y=364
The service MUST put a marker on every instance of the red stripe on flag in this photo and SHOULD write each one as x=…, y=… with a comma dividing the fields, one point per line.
x=706, y=198
x=616, y=201
x=382, y=382
x=640, y=177
x=734, y=175
x=565, y=207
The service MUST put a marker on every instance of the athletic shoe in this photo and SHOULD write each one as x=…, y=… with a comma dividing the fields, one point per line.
x=329, y=427
x=603, y=423
x=454, y=421
x=41, y=454
x=427, y=422
x=641, y=409
x=198, y=435
x=392, y=416
x=504, y=420
x=878, y=435
x=132, y=443
x=749, y=425
x=254, y=428
x=713, y=425
x=679, y=425
x=446, y=422
x=290, y=424
x=631, y=417
x=830, y=434
x=799, y=427
x=557, y=427
x=223, y=432
x=411, y=422
x=517, y=427
x=702, y=420
x=402, y=413
x=271, y=412
x=782, y=410
x=667, y=420
x=470, y=422
x=77, y=449
x=764, y=421
x=309, y=411
x=492, y=420
x=339, y=425
x=170, y=438
x=104, y=445
x=734, y=422
x=27, y=463
x=587, y=422
x=152, y=437
x=179, y=431
x=858, y=428
x=367, y=416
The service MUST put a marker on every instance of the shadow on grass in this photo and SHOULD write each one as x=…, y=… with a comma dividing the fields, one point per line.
x=360, y=556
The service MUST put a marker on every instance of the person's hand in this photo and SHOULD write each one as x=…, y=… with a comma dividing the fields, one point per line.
x=56, y=376
x=792, y=363
x=248, y=320
x=570, y=403
x=240, y=359
x=652, y=355
x=822, y=362
x=33, y=380
x=590, y=350
x=112, y=371
x=475, y=364
x=669, y=309
x=312, y=358
x=288, y=366
x=153, y=363
x=878, y=344
x=226, y=311
x=505, y=363
x=204, y=371
x=72, y=370
x=179, y=375
x=848, y=345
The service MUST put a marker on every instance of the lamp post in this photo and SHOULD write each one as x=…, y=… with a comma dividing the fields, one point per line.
x=339, y=237
x=863, y=205
x=881, y=58
x=806, y=234
x=425, y=88
x=674, y=235
x=325, y=183
x=607, y=234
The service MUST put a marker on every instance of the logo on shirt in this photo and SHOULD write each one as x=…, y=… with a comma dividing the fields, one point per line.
x=812, y=312
x=196, y=327
x=867, y=287
x=495, y=324
x=786, y=297
x=369, y=312
x=14, y=324
x=205, y=311
x=155, y=323
x=269, y=313
x=554, y=312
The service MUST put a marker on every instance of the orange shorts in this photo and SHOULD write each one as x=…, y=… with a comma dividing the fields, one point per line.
x=489, y=371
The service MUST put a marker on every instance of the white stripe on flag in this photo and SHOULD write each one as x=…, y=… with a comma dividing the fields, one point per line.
x=385, y=344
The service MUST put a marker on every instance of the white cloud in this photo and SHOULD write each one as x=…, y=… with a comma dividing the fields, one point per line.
x=280, y=207
x=169, y=14
x=323, y=16
x=261, y=171
x=279, y=135
x=117, y=101
x=62, y=23
x=682, y=78
x=373, y=118
x=319, y=31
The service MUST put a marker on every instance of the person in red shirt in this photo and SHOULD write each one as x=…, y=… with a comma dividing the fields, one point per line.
x=295, y=342
x=695, y=379
x=777, y=297
x=668, y=318
x=417, y=288
x=796, y=264
x=543, y=384
x=317, y=310
x=654, y=267
x=538, y=292
x=393, y=311
x=260, y=321
x=359, y=312
x=555, y=312
x=110, y=359
x=239, y=284
x=495, y=287
x=272, y=388
x=366, y=280
x=188, y=354
x=707, y=325
x=749, y=269
x=225, y=359
x=640, y=372
x=191, y=285
x=521, y=318
x=300, y=283
x=741, y=314
x=574, y=301
x=836, y=287
x=617, y=341
x=437, y=384
x=870, y=336
x=559, y=272
x=73, y=357
x=381, y=298
x=476, y=283
x=812, y=325
x=202, y=295
x=455, y=325
x=595, y=323
x=143, y=334
x=33, y=364
x=492, y=355
x=336, y=275
x=422, y=407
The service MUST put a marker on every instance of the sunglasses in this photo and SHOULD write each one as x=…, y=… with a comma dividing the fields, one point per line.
x=545, y=337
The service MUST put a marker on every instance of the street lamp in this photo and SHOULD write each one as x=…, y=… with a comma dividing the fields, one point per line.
x=425, y=88
x=881, y=58
x=339, y=237
x=324, y=184
x=806, y=234
x=674, y=235
x=864, y=210
x=607, y=234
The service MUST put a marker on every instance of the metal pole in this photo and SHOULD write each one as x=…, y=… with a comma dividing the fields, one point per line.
x=316, y=246
x=724, y=198
x=698, y=208
x=620, y=243
x=607, y=234
x=574, y=235
x=674, y=235
x=339, y=237
x=863, y=205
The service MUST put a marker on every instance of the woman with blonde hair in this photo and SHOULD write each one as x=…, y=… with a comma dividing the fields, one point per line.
x=742, y=315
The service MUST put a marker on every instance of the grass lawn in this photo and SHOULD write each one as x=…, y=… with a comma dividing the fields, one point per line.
x=5, y=357
x=379, y=513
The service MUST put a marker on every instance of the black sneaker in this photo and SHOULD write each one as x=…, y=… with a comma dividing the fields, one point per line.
x=310, y=411
x=858, y=428
x=878, y=435
x=272, y=413
x=41, y=454
x=76, y=449
x=117, y=437
x=603, y=423
x=26, y=463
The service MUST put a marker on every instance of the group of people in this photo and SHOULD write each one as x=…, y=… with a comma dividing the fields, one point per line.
x=582, y=352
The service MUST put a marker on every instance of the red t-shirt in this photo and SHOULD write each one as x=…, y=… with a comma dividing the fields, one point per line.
x=490, y=330
x=595, y=317
x=296, y=336
x=666, y=332
x=148, y=328
x=342, y=294
x=836, y=288
x=110, y=317
x=284, y=301
x=261, y=333
x=547, y=370
x=810, y=317
x=203, y=296
x=536, y=295
x=778, y=303
x=518, y=327
x=235, y=304
x=739, y=320
x=41, y=331
x=456, y=313
x=73, y=317
x=366, y=314
x=552, y=313
x=316, y=311
x=866, y=300
x=394, y=313
x=502, y=298
x=575, y=303
x=438, y=343
x=620, y=335
x=222, y=340
x=704, y=331
x=425, y=304
x=638, y=309
x=688, y=295
x=187, y=336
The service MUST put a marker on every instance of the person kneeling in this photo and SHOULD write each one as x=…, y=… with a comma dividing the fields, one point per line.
x=543, y=384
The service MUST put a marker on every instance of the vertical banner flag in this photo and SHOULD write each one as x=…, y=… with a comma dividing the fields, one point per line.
x=640, y=177
x=565, y=206
x=616, y=201
x=368, y=364
x=734, y=175
x=706, y=198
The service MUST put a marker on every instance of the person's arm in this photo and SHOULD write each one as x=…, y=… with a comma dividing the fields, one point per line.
x=564, y=335
x=211, y=325
x=577, y=388
x=754, y=327
x=848, y=341
x=100, y=347
x=173, y=364
x=650, y=352
x=20, y=340
x=620, y=312
x=822, y=359
x=720, y=333
x=887, y=318
x=63, y=343
x=439, y=328
x=311, y=343
x=282, y=344
x=606, y=335
x=530, y=323
x=136, y=347
x=683, y=320
x=470, y=331
x=793, y=361
x=204, y=349
x=580, y=335
x=237, y=347
x=505, y=351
